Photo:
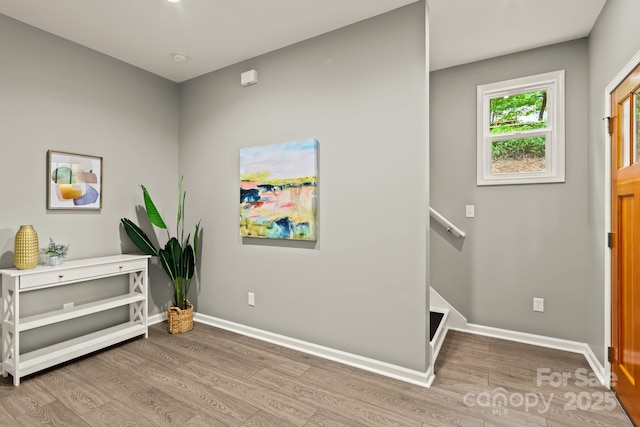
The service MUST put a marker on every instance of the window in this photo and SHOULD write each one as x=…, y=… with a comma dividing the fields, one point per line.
x=521, y=130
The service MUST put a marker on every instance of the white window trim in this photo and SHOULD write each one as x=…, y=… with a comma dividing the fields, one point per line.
x=553, y=82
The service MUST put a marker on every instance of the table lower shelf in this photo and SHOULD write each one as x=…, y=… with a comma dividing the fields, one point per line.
x=46, y=357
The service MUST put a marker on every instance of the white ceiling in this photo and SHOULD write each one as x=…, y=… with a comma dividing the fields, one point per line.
x=217, y=33
x=463, y=31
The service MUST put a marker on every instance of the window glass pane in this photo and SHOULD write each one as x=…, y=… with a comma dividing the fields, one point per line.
x=520, y=112
x=636, y=144
x=625, y=150
x=520, y=138
x=518, y=155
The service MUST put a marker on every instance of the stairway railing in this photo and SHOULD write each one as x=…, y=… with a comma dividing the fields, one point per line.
x=448, y=225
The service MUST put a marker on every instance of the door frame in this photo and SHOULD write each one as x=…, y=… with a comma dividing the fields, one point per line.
x=628, y=68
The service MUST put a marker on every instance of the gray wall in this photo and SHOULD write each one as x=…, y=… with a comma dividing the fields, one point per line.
x=360, y=90
x=59, y=95
x=526, y=240
x=613, y=42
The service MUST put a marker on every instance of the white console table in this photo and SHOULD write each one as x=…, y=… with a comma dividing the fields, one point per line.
x=15, y=282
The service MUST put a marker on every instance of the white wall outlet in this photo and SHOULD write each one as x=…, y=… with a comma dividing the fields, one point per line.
x=67, y=306
x=538, y=304
x=251, y=299
x=470, y=211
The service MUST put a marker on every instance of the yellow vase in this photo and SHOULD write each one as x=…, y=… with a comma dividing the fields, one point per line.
x=26, y=251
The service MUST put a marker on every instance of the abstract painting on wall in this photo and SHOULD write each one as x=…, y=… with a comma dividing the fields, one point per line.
x=278, y=190
x=74, y=181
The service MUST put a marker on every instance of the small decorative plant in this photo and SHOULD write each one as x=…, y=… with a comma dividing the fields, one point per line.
x=55, y=249
x=179, y=256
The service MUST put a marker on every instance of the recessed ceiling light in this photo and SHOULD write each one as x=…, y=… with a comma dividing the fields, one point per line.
x=173, y=1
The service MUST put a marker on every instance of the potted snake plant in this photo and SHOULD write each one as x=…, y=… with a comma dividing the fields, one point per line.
x=178, y=257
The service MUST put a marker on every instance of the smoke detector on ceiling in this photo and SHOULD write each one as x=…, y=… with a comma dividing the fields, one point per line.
x=179, y=57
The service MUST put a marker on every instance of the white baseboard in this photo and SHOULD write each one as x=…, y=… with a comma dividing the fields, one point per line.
x=424, y=379
x=458, y=322
x=157, y=318
x=542, y=341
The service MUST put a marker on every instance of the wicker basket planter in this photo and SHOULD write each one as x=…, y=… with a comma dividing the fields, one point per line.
x=180, y=321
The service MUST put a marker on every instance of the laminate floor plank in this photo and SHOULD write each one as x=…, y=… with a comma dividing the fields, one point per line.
x=463, y=374
x=359, y=409
x=23, y=399
x=212, y=403
x=135, y=392
x=324, y=418
x=298, y=356
x=271, y=401
x=6, y=418
x=252, y=354
x=456, y=358
x=72, y=391
x=415, y=403
x=149, y=349
x=198, y=350
x=437, y=407
x=490, y=403
x=51, y=414
x=213, y=377
x=265, y=419
x=116, y=414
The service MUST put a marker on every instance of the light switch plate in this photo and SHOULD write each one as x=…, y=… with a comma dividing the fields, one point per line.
x=538, y=304
x=470, y=211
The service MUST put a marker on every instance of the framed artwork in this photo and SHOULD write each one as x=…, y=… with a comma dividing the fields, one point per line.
x=74, y=181
x=278, y=190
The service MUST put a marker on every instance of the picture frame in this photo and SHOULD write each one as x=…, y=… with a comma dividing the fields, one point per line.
x=74, y=181
x=279, y=190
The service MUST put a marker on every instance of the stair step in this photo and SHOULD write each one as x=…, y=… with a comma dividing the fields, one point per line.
x=435, y=320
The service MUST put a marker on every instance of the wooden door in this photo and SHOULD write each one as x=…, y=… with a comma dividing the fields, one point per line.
x=625, y=251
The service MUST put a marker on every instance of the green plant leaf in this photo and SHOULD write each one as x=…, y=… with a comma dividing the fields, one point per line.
x=138, y=237
x=168, y=264
x=152, y=211
x=175, y=251
x=179, y=294
x=188, y=262
x=180, y=216
x=196, y=239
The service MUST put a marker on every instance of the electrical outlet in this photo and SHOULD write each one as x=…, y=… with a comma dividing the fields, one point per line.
x=538, y=304
x=251, y=299
x=67, y=306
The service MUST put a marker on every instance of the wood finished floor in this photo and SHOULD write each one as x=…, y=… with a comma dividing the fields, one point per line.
x=212, y=377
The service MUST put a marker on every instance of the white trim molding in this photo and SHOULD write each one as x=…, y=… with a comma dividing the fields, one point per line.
x=440, y=335
x=541, y=341
x=156, y=318
x=458, y=322
x=451, y=319
x=423, y=379
x=455, y=320
x=554, y=132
